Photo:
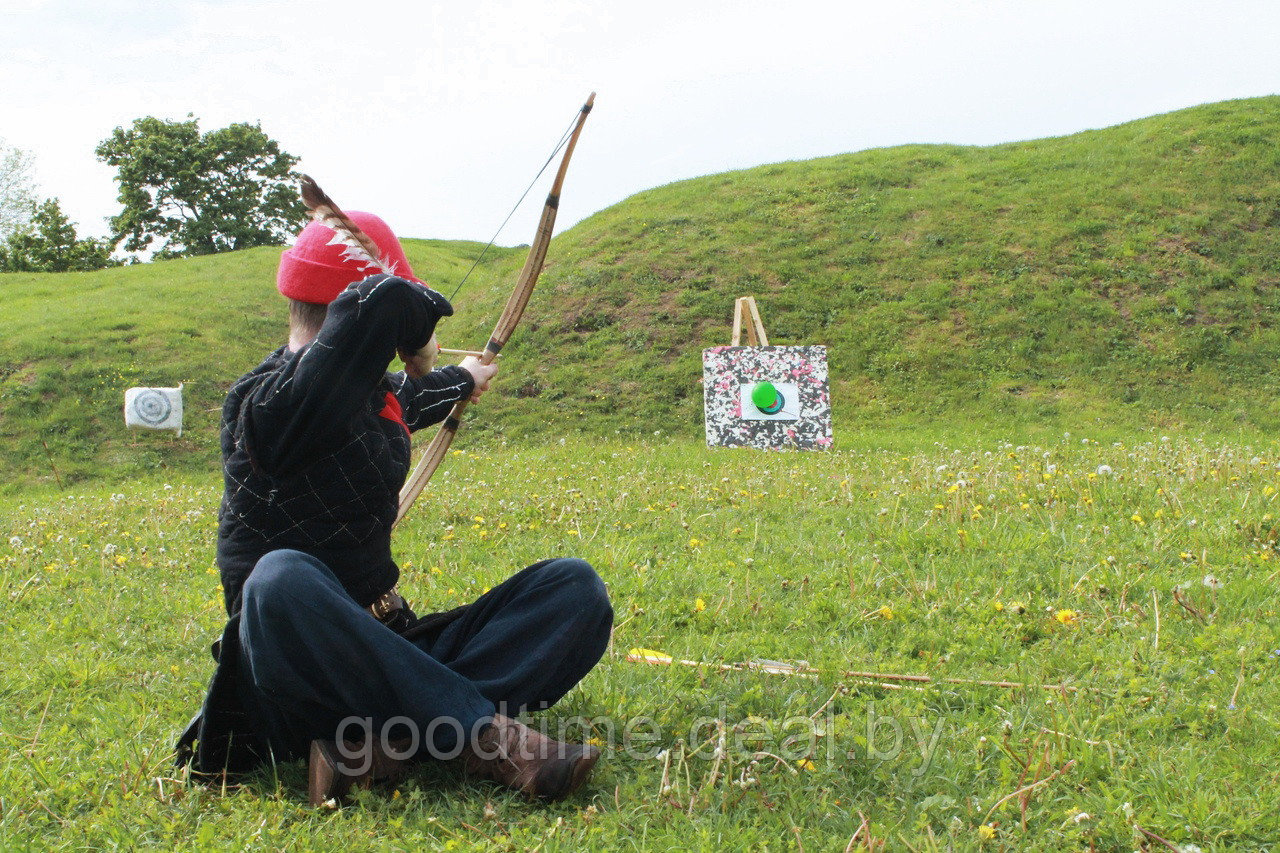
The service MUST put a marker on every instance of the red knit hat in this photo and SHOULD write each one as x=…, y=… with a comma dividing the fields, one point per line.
x=315, y=269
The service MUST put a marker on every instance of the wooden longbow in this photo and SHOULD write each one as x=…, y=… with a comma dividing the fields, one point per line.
x=435, y=452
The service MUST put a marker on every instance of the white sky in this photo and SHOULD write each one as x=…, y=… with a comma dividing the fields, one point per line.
x=436, y=115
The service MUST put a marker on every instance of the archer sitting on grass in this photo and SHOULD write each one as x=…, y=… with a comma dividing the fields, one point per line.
x=321, y=657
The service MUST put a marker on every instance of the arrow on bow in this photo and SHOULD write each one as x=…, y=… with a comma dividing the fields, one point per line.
x=435, y=452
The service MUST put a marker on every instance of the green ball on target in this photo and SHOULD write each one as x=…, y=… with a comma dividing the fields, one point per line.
x=767, y=398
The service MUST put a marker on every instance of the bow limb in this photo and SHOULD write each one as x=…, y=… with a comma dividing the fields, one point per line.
x=511, y=314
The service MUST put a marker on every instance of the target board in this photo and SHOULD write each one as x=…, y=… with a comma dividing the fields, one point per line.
x=767, y=397
x=153, y=408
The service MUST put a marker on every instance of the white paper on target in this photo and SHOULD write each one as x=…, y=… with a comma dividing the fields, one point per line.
x=153, y=408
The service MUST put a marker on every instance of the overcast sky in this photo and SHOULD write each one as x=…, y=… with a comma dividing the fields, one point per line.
x=436, y=115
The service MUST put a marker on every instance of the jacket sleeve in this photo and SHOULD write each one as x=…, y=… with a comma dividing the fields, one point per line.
x=427, y=399
x=308, y=407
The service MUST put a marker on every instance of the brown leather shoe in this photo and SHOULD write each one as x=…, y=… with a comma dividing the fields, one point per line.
x=515, y=755
x=331, y=774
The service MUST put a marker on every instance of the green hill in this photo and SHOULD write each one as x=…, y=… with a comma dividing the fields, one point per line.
x=1124, y=277
x=1128, y=274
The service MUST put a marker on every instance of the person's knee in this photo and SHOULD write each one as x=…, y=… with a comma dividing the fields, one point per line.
x=584, y=585
x=276, y=579
x=269, y=616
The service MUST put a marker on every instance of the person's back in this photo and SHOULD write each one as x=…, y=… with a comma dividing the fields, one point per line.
x=316, y=445
x=315, y=441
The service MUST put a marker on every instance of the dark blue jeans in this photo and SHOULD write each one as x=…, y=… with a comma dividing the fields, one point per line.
x=313, y=661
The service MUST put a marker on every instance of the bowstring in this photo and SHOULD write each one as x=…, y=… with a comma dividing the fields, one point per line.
x=563, y=139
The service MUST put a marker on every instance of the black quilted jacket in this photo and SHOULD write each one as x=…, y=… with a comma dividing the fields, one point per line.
x=315, y=444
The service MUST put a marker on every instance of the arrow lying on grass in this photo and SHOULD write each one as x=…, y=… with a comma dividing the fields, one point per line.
x=802, y=668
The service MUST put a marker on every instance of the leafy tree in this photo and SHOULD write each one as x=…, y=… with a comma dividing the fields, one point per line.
x=198, y=194
x=48, y=243
x=17, y=189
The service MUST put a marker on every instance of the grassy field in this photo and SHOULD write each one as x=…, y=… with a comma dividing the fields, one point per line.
x=1140, y=576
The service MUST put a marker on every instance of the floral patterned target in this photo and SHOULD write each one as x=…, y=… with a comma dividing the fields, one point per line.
x=767, y=397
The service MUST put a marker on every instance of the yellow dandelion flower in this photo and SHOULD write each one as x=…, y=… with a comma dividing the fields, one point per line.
x=999, y=606
x=886, y=612
x=986, y=832
x=1067, y=617
x=699, y=605
x=806, y=764
x=1136, y=519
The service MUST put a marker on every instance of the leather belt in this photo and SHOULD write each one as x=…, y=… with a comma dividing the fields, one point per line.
x=385, y=605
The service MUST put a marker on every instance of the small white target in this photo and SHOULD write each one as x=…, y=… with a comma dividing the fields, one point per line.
x=153, y=408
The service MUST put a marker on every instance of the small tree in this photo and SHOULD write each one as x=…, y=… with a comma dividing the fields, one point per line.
x=198, y=194
x=48, y=243
x=17, y=189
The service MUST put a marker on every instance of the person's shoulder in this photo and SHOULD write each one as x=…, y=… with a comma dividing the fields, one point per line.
x=274, y=361
x=272, y=364
x=378, y=284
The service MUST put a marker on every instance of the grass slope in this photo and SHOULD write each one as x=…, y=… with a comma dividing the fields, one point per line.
x=74, y=342
x=1117, y=278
